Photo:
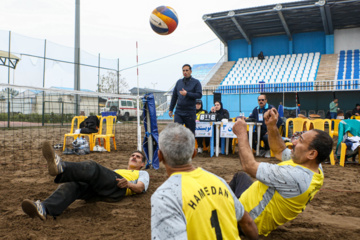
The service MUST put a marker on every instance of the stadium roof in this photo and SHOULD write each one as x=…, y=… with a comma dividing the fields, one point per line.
x=284, y=19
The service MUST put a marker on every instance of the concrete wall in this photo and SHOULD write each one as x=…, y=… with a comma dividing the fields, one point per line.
x=346, y=39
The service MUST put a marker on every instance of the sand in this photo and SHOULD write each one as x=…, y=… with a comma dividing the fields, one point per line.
x=333, y=214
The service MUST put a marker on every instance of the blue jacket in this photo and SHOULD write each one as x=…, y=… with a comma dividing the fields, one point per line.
x=255, y=114
x=186, y=104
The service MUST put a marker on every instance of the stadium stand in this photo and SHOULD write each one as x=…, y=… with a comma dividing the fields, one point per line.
x=292, y=69
x=348, y=70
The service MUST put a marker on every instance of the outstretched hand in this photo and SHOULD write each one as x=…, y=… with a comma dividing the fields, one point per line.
x=271, y=117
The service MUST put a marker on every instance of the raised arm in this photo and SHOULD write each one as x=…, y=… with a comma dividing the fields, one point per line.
x=247, y=160
x=248, y=226
x=276, y=143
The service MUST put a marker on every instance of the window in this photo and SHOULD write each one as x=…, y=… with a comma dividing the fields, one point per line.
x=129, y=103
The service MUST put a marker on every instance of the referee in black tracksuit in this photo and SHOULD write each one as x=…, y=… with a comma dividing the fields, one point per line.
x=184, y=96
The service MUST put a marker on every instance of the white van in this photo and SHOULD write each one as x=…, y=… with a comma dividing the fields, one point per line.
x=125, y=108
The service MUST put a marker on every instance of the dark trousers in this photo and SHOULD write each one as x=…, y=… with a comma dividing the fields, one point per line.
x=264, y=138
x=333, y=115
x=188, y=119
x=200, y=141
x=240, y=182
x=83, y=180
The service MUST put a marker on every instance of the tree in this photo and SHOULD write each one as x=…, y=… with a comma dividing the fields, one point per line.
x=12, y=92
x=108, y=84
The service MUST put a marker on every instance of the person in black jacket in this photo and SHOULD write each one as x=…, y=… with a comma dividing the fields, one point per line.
x=184, y=96
x=221, y=113
x=356, y=110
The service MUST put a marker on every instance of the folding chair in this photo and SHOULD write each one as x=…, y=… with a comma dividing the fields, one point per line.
x=78, y=119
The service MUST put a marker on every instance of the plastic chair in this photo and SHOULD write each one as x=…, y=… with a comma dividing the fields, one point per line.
x=299, y=125
x=335, y=123
x=205, y=148
x=92, y=135
x=321, y=113
x=311, y=112
x=320, y=124
x=343, y=153
x=109, y=133
x=355, y=117
x=78, y=119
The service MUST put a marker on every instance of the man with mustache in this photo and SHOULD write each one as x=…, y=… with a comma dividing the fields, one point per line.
x=87, y=180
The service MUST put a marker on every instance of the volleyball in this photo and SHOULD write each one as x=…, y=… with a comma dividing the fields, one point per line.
x=163, y=20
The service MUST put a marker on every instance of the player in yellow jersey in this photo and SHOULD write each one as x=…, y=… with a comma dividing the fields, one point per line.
x=87, y=180
x=282, y=190
x=193, y=203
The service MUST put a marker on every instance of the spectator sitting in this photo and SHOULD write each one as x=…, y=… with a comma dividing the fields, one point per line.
x=199, y=111
x=356, y=110
x=261, y=56
x=258, y=114
x=221, y=114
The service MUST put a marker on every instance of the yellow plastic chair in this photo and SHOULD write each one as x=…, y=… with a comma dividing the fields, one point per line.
x=205, y=148
x=343, y=152
x=355, y=117
x=109, y=133
x=78, y=119
x=320, y=125
x=299, y=125
x=335, y=122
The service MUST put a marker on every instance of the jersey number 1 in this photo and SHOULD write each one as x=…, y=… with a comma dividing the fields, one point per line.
x=215, y=224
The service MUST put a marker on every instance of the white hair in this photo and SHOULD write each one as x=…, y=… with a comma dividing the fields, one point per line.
x=177, y=144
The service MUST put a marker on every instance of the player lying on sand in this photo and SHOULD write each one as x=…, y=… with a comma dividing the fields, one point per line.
x=87, y=180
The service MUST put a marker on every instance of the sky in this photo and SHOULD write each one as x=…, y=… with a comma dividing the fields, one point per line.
x=111, y=28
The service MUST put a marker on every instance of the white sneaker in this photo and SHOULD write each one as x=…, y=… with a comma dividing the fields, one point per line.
x=200, y=150
x=267, y=154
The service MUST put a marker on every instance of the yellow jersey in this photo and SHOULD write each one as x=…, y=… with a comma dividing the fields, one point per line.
x=280, y=194
x=195, y=205
x=134, y=176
